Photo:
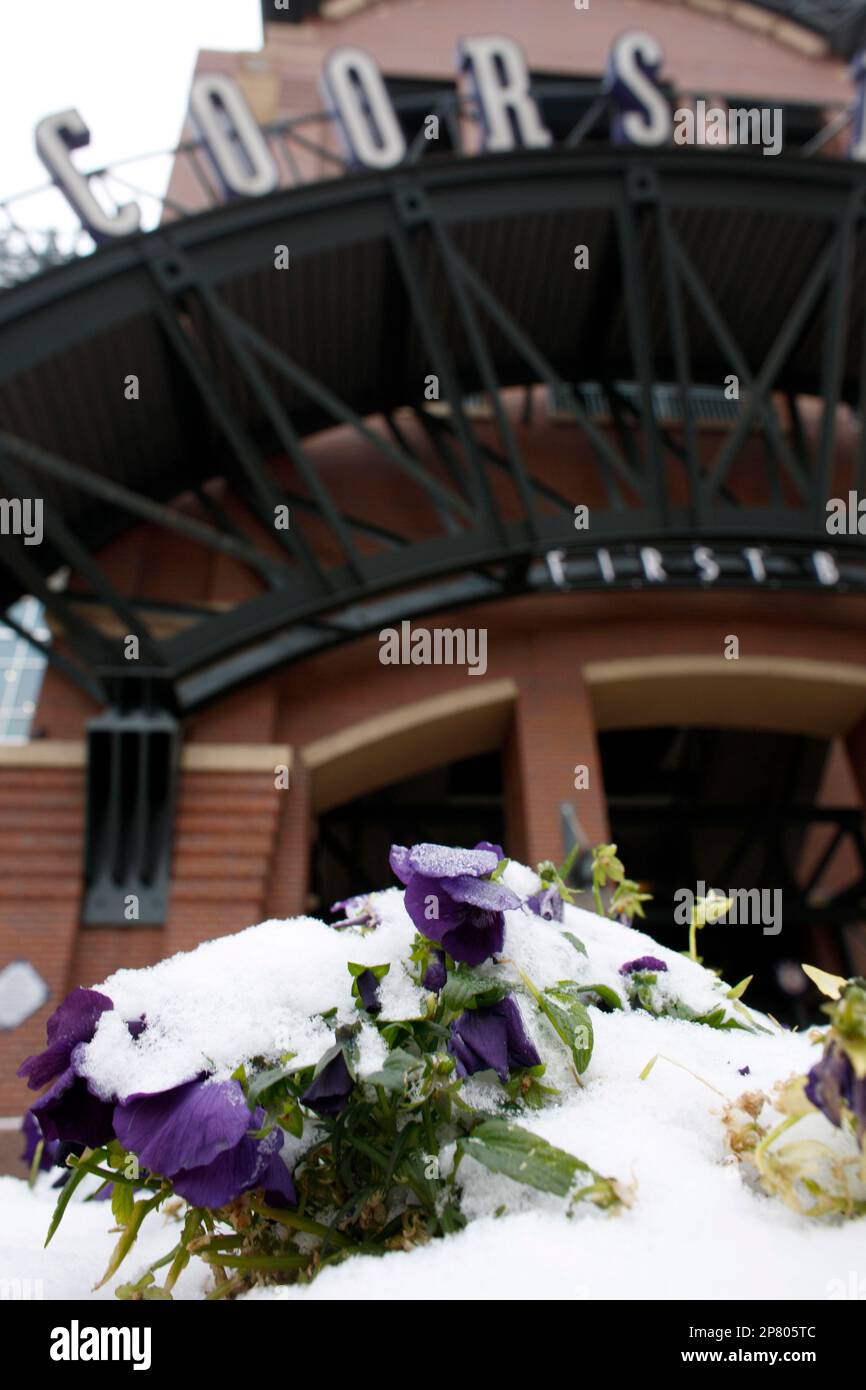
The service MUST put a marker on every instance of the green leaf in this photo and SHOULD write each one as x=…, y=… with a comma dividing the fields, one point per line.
x=467, y=988
x=578, y=945
x=128, y=1238
x=739, y=990
x=78, y=1171
x=263, y=1082
x=717, y=1019
x=567, y=865
x=380, y=971
x=604, y=992
x=122, y=1203
x=507, y=1148
x=392, y=1076
x=293, y=1121
x=570, y=1019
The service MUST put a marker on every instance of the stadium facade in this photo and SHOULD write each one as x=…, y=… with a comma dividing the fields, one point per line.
x=502, y=493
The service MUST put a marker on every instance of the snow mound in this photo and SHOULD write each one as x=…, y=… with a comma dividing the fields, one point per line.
x=695, y=1229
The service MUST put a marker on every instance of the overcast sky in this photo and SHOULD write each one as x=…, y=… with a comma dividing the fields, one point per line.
x=125, y=64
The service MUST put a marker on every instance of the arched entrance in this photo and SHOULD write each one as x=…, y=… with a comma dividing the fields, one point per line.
x=734, y=775
x=431, y=769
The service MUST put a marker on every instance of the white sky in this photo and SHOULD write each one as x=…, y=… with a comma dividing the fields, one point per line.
x=125, y=64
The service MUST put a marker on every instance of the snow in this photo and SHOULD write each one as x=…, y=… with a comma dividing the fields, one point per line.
x=76, y=1258
x=695, y=1230
x=259, y=993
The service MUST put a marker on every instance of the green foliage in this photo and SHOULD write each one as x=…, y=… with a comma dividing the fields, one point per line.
x=384, y=1172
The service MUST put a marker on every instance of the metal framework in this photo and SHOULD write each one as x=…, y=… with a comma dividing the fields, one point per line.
x=702, y=265
x=841, y=22
x=767, y=851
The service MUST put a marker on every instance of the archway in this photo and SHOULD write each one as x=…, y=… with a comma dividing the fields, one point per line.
x=734, y=776
x=428, y=770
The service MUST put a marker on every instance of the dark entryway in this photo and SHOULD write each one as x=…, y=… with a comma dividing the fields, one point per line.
x=457, y=804
x=737, y=809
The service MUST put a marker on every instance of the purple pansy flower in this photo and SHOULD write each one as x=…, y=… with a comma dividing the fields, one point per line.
x=833, y=1082
x=329, y=1092
x=642, y=963
x=368, y=991
x=357, y=911
x=196, y=1134
x=492, y=849
x=73, y=1022
x=32, y=1134
x=435, y=975
x=546, y=904
x=68, y=1110
x=451, y=900
x=492, y=1039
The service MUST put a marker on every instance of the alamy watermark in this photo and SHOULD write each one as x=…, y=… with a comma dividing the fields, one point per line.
x=749, y=907
x=729, y=125
x=21, y=1290
x=22, y=516
x=77, y=1343
x=441, y=646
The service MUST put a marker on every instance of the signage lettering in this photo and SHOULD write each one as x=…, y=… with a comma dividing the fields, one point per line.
x=498, y=79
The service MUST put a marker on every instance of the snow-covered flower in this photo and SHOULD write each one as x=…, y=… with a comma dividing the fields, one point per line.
x=547, y=903
x=831, y=1083
x=642, y=963
x=68, y=1110
x=197, y=1134
x=357, y=911
x=492, y=1039
x=451, y=899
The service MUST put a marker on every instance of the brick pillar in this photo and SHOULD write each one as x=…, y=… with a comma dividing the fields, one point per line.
x=288, y=884
x=553, y=732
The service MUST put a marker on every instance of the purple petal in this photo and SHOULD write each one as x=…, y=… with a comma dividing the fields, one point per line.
x=368, y=990
x=348, y=906
x=478, y=937
x=829, y=1083
x=483, y=1042
x=248, y=1164
x=435, y=975
x=74, y=1021
x=492, y=849
x=330, y=1090
x=32, y=1134
x=417, y=900
x=399, y=861
x=70, y=1112
x=547, y=904
x=521, y=1049
x=184, y=1128
x=642, y=963
x=463, y=1055
x=224, y=1178
x=479, y=892
x=275, y=1177
x=492, y=1038
x=442, y=861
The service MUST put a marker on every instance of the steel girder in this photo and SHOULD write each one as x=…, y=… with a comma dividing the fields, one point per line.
x=702, y=265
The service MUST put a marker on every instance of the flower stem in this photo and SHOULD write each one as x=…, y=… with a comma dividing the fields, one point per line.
x=302, y=1223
